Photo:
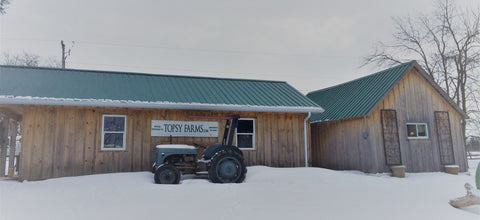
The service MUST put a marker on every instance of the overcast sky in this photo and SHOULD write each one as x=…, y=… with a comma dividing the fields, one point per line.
x=309, y=44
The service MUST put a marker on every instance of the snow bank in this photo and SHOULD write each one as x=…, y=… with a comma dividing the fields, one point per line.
x=267, y=193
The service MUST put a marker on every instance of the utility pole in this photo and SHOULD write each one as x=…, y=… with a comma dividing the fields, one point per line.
x=63, y=54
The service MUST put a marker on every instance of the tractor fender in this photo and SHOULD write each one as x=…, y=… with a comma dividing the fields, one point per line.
x=213, y=149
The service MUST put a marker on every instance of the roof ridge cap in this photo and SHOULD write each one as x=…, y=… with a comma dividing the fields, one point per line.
x=137, y=73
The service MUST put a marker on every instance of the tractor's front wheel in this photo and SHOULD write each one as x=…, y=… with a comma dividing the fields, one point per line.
x=167, y=174
x=227, y=166
x=153, y=167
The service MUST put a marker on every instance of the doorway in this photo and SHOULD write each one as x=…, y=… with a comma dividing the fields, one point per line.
x=10, y=146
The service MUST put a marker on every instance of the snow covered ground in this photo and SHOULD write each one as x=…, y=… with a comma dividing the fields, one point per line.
x=267, y=193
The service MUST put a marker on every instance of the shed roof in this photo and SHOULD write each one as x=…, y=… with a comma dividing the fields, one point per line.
x=52, y=86
x=361, y=96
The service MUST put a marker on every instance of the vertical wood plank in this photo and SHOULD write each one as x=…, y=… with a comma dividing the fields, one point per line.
x=59, y=142
x=27, y=135
x=90, y=145
x=297, y=132
x=48, y=144
x=4, y=124
x=267, y=139
x=38, y=142
x=147, y=148
x=13, y=144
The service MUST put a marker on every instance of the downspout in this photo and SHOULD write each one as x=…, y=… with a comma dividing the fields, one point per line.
x=305, y=137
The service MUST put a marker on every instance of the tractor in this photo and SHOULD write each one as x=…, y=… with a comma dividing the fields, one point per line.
x=223, y=162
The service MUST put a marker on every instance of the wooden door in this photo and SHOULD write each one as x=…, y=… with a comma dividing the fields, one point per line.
x=444, y=134
x=391, y=141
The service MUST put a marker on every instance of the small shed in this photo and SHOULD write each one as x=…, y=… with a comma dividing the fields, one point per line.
x=78, y=122
x=398, y=116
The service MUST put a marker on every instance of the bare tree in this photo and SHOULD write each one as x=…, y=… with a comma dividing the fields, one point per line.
x=447, y=45
x=29, y=59
x=3, y=6
x=52, y=62
x=24, y=59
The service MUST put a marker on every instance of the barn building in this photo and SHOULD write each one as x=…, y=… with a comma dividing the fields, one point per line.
x=398, y=117
x=79, y=122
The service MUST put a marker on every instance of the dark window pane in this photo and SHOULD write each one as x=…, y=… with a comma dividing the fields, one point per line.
x=112, y=123
x=113, y=140
x=411, y=130
x=421, y=129
x=245, y=126
x=245, y=141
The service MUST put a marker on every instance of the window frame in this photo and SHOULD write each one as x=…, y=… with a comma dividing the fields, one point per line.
x=427, y=134
x=124, y=132
x=253, y=134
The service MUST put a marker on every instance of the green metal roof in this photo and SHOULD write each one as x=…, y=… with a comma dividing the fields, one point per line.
x=33, y=85
x=361, y=96
x=357, y=97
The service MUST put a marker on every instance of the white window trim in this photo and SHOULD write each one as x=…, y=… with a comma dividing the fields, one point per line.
x=119, y=132
x=427, y=135
x=253, y=137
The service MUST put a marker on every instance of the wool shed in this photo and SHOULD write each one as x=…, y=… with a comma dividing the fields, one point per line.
x=79, y=122
x=396, y=117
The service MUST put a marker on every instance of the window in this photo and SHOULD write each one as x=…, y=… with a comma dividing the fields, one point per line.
x=246, y=133
x=113, y=132
x=417, y=131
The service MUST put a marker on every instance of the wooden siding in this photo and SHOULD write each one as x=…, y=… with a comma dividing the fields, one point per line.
x=340, y=144
x=65, y=141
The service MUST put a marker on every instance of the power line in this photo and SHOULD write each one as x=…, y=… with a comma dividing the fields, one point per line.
x=209, y=72
x=104, y=44
x=170, y=68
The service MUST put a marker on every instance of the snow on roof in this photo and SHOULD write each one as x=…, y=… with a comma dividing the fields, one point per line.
x=148, y=104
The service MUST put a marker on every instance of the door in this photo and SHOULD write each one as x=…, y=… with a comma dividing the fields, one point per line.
x=391, y=141
x=444, y=134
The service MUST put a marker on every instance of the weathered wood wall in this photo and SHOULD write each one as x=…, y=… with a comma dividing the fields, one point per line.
x=341, y=144
x=65, y=141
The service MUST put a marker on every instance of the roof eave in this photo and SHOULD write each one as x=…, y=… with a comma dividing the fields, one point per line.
x=338, y=119
x=157, y=105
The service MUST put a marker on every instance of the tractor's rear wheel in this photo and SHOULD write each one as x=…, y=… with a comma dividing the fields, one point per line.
x=227, y=166
x=167, y=174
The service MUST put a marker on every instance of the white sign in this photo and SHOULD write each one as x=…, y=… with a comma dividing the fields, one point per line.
x=185, y=128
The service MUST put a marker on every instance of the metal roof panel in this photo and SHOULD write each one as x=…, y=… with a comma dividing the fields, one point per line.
x=34, y=84
x=358, y=97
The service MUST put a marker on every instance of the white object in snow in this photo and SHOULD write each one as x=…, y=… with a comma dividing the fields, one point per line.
x=472, y=198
